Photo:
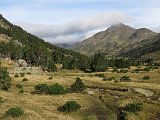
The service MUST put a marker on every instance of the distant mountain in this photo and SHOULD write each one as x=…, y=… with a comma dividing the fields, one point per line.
x=65, y=45
x=16, y=43
x=115, y=41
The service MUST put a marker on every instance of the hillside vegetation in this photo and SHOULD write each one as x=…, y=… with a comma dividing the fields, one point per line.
x=15, y=43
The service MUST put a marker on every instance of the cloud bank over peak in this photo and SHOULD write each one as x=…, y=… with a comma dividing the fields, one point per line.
x=76, y=30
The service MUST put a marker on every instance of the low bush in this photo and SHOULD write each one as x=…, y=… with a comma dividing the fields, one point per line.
x=53, y=89
x=125, y=79
x=21, y=91
x=155, y=97
x=24, y=79
x=100, y=75
x=155, y=67
x=146, y=69
x=122, y=115
x=116, y=81
x=68, y=90
x=146, y=78
x=137, y=70
x=50, y=78
x=123, y=71
x=150, y=67
x=109, y=79
x=105, y=79
x=19, y=85
x=78, y=85
x=14, y=112
x=56, y=89
x=23, y=69
x=134, y=107
x=1, y=100
x=41, y=88
x=16, y=75
x=28, y=73
x=69, y=106
x=115, y=70
x=22, y=74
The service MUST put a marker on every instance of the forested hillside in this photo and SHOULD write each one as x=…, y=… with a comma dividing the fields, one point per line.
x=16, y=43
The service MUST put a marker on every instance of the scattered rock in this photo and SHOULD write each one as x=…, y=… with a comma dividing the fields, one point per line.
x=90, y=92
x=145, y=92
x=148, y=98
x=22, y=63
x=116, y=96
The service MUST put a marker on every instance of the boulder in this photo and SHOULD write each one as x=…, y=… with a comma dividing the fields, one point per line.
x=22, y=63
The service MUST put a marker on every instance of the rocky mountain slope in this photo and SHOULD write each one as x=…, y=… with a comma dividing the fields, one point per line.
x=115, y=41
x=147, y=48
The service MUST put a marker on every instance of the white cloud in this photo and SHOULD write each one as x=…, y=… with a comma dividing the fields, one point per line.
x=148, y=17
x=156, y=29
x=65, y=39
x=77, y=29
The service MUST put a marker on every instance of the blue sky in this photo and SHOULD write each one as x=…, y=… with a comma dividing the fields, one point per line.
x=68, y=21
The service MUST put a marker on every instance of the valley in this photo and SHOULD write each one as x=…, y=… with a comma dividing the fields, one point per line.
x=114, y=75
x=114, y=96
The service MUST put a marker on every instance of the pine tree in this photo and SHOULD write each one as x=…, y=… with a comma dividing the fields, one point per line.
x=78, y=85
x=99, y=63
x=5, y=79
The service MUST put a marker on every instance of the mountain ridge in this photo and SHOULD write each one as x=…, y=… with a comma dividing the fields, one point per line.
x=113, y=40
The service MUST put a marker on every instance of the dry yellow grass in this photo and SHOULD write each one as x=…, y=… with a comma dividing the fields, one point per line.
x=7, y=63
x=44, y=107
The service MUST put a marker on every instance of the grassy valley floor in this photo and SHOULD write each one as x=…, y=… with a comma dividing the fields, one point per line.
x=114, y=96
